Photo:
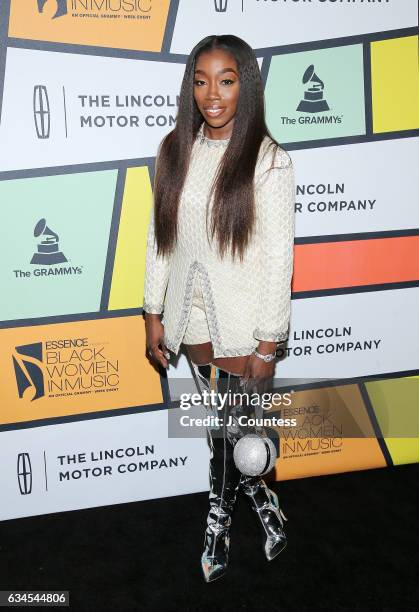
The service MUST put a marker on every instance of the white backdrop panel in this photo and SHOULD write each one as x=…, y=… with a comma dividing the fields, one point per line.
x=92, y=118
x=358, y=334
x=79, y=445
x=286, y=22
x=357, y=188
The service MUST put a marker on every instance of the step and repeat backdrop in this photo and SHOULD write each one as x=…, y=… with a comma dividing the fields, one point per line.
x=88, y=89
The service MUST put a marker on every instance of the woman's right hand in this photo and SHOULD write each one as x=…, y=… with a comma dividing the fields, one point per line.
x=156, y=348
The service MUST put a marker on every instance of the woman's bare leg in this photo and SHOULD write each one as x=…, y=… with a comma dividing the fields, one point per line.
x=235, y=365
x=201, y=354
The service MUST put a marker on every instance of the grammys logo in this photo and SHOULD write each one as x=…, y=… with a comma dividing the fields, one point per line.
x=49, y=254
x=63, y=368
x=313, y=103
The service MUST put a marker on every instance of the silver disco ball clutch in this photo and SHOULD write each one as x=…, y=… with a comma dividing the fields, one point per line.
x=254, y=455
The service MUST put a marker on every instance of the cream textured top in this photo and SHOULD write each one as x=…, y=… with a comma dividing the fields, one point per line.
x=244, y=301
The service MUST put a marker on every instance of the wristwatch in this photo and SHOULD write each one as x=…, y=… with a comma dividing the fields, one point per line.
x=266, y=358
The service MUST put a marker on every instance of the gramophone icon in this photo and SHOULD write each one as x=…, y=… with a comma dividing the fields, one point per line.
x=313, y=96
x=48, y=249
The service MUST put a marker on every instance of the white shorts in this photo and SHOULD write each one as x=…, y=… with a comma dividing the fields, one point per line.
x=197, y=331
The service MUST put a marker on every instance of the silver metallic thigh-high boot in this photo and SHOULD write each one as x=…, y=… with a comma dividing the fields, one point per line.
x=224, y=482
x=264, y=501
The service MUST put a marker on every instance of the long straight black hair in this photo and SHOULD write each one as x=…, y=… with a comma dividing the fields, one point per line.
x=233, y=212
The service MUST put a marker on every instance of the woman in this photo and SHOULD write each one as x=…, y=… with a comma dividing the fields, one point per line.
x=220, y=258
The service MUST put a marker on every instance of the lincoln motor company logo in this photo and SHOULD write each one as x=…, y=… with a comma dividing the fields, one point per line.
x=41, y=111
x=24, y=473
x=220, y=6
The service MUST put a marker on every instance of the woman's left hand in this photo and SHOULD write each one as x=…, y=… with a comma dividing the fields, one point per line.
x=257, y=370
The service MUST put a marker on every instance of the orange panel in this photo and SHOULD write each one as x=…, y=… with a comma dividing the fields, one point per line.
x=62, y=369
x=138, y=24
x=333, y=433
x=356, y=262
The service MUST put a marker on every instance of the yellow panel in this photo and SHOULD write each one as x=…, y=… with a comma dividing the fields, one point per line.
x=128, y=272
x=395, y=84
x=403, y=450
x=395, y=402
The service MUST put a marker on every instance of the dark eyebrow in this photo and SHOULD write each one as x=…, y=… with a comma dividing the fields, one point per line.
x=219, y=71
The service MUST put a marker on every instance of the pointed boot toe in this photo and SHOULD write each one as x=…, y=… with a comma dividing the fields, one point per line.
x=274, y=545
x=271, y=518
x=212, y=568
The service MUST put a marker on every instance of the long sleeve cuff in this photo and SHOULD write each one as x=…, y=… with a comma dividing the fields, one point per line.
x=153, y=308
x=270, y=336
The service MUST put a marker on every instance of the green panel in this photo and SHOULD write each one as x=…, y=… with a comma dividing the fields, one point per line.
x=76, y=207
x=338, y=84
